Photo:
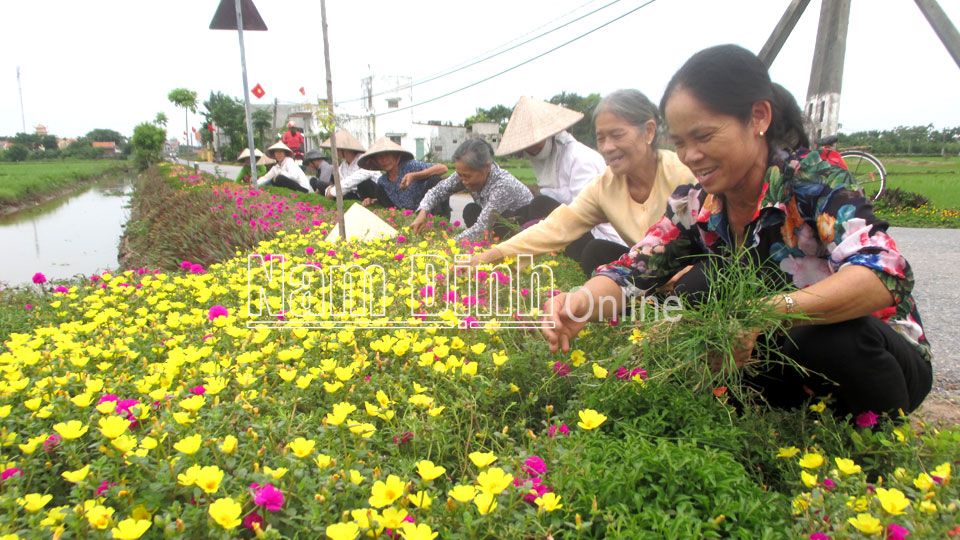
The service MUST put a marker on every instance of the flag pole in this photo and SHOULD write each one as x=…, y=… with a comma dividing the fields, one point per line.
x=246, y=97
x=333, y=123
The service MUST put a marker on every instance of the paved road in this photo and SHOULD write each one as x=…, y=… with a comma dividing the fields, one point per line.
x=934, y=255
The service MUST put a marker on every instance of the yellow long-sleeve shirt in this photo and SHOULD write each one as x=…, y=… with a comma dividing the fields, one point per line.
x=605, y=199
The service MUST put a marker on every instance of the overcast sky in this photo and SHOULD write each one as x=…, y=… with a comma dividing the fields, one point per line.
x=111, y=63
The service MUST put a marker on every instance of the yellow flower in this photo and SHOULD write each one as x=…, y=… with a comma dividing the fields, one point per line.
x=343, y=531
x=485, y=502
x=590, y=419
x=130, y=529
x=943, y=472
x=808, y=479
x=100, y=516
x=392, y=518
x=33, y=404
x=482, y=459
x=478, y=348
x=384, y=493
x=229, y=444
x=340, y=412
x=77, y=475
x=420, y=531
x=892, y=500
x=82, y=400
x=494, y=480
x=463, y=494
x=599, y=372
x=107, y=407
x=811, y=461
x=276, y=474
x=189, y=476
x=500, y=358
x=5, y=411
x=514, y=388
x=355, y=477
x=548, y=501
x=113, y=426
x=788, y=452
x=364, y=429
x=226, y=512
x=924, y=482
x=34, y=502
x=183, y=418
x=818, y=407
x=302, y=447
x=866, y=524
x=847, y=466
x=927, y=507
x=209, y=478
x=323, y=461
x=189, y=445
x=420, y=499
x=428, y=471
x=193, y=403
x=70, y=430
x=124, y=443
x=577, y=357
x=434, y=412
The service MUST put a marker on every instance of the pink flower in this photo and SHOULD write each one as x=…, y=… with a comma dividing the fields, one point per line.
x=217, y=311
x=309, y=251
x=402, y=438
x=638, y=371
x=524, y=292
x=28, y=307
x=896, y=532
x=531, y=484
x=105, y=485
x=398, y=257
x=39, y=278
x=561, y=369
x=94, y=278
x=198, y=390
x=268, y=497
x=196, y=269
x=829, y=484
x=331, y=253
x=10, y=472
x=471, y=322
x=819, y=536
x=866, y=419
x=51, y=443
x=401, y=239
x=61, y=289
x=186, y=265
x=252, y=518
x=451, y=296
x=534, y=466
x=426, y=291
x=107, y=397
x=563, y=429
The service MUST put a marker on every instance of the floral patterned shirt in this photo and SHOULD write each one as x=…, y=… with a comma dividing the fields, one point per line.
x=810, y=221
x=406, y=198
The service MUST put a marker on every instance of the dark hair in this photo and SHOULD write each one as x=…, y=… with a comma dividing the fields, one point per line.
x=729, y=79
x=632, y=106
x=476, y=153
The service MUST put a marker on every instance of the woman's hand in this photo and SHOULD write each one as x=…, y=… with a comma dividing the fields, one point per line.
x=407, y=179
x=420, y=224
x=489, y=256
x=368, y=201
x=568, y=314
x=743, y=349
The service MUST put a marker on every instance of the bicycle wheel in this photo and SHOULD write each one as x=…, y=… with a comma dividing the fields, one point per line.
x=867, y=171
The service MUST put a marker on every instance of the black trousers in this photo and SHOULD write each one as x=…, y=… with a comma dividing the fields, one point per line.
x=471, y=212
x=863, y=362
x=284, y=182
x=364, y=190
x=594, y=252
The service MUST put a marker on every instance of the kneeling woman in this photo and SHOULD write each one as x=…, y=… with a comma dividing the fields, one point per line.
x=494, y=191
x=286, y=173
x=760, y=190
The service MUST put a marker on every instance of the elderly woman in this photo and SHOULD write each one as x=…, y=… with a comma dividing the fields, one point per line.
x=286, y=173
x=404, y=179
x=631, y=194
x=494, y=191
x=761, y=191
x=563, y=165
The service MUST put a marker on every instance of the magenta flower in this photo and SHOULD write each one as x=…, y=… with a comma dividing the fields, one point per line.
x=217, y=311
x=28, y=307
x=107, y=397
x=534, y=466
x=268, y=497
x=61, y=289
x=451, y=296
x=39, y=278
x=866, y=419
x=186, y=265
x=198, y=390
x=524, y=292
x=562, y=428
x=426, y=291
x=819, y=536
x=196, y=269
x=51, y=443
x=105, y=485
x=534, y=484
x=252, y=518
x=13, y=471
x=402, y=438
x=896, y=532
x=309, y=251
x=561, y=369
x=401, y=239
x=398, y=257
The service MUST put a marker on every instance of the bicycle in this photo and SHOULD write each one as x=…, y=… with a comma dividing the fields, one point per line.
x=868, y=172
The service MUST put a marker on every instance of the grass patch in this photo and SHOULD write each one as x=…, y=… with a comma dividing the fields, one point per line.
x=20, y=182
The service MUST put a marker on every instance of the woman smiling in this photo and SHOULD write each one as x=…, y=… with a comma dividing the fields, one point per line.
x=762, y=193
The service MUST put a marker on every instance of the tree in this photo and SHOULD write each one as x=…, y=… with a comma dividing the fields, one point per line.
x=17, y=152
x=49, y=143
x=262, y=120
x=186, y=99
x=82, y=148
x=30, y=140
x=161, y=119
x=499, y=114
x=106, y=135
x=584, y=130
x=228, y=116
x=147, y=144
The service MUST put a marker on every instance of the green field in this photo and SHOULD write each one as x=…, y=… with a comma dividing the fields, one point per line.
x=936, y=178
x=21, y=182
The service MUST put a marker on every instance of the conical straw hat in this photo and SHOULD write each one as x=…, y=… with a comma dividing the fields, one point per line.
x=261, y=159
x=382, y=146
x=533, y=121
x=281, y=146
x=345, y=141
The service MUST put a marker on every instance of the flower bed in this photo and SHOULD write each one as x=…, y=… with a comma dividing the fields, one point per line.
x=140, y=405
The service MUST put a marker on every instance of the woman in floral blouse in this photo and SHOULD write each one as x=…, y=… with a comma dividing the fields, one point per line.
x=760, y=190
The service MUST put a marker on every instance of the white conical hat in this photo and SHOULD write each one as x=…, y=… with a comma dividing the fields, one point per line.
x=532, y=121
x=362, y=224
x=382, y=146
x=281, y=146
x=345, y=141
x=261, y=159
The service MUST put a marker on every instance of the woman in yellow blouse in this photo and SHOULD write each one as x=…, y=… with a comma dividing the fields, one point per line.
x=631, y=194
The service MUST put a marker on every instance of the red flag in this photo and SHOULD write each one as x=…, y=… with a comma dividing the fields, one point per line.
x=302, y=91
x=184, y=133
x=210, y=127
x=194, y=129
x=258, y=91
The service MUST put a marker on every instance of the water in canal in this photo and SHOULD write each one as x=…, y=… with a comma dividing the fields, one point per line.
x=76, y=233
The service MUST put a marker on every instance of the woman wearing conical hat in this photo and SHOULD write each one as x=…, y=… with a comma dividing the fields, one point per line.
x=355, y=181
x=262, y=161
x=404, y=180
x=286, y=173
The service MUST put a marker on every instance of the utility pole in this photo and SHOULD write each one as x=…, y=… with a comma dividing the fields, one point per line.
x=780, y=34
x=942, y=26
x=333, y=124
x=826, y=75
x=20, y=88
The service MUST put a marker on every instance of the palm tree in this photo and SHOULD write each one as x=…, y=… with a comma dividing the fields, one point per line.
x=181, y=97
x=262, y=120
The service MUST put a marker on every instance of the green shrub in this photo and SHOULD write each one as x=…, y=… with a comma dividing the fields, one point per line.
x=900, y=198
